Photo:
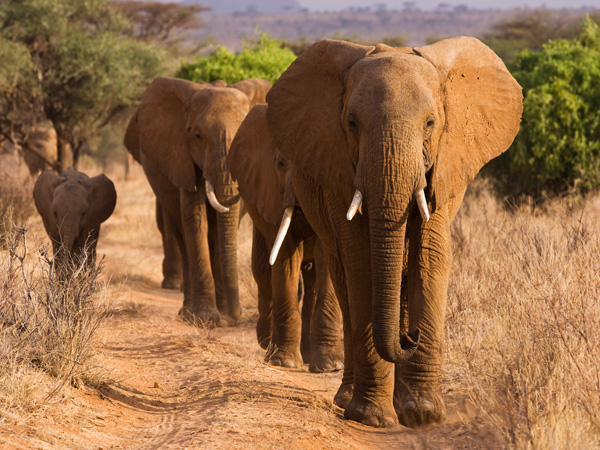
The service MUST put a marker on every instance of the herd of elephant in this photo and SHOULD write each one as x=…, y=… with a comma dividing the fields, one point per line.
x=352, y=167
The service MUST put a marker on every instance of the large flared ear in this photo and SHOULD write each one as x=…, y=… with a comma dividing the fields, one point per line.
x=131, y=140
x=161, y=123
x=104, y=198
x=43, y=193
x=305, y=110
x=482, y=104
x=256, y=89
x=251, y=162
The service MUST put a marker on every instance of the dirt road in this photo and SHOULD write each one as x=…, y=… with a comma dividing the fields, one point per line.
x=168, y=385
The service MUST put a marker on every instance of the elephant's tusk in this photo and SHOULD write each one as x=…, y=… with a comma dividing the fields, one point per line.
x=422, y=204
x=355, y=205
x=212, y=198
x=283, y=228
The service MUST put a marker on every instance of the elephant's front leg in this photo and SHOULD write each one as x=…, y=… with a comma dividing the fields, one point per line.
x=327, y=353
x=171, y=265
x=199, y=302
x=287, y=322
x=417, y=397
x=261, y=271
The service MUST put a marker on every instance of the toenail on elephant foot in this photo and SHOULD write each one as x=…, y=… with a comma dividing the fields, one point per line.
x=326, y=362
x=227, y=321
x=371, y=414
x=420, y=412
x=344, y=395
x=289, y=361
x=202, y=317
x=169, y=283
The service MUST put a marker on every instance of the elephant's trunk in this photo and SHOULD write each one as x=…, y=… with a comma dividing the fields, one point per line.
x=394, y=174
x=227, y=228
x=216, y=173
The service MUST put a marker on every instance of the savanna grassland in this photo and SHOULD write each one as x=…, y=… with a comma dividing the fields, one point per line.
x=522, y=368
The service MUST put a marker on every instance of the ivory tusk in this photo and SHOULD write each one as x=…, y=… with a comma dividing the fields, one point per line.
x=355, y=205
x=283, y=228
x=422, y=204
x=212, y=198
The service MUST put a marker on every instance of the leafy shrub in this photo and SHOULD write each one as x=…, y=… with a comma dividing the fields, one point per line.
x=261, y=58
x=557, y=150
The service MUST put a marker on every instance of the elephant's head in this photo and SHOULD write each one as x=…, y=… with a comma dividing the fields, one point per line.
x=73, y=206
x=183, y=126
x=392, y=125
x=263, y=175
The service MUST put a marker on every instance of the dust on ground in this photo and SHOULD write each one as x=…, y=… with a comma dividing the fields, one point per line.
x=168, y=385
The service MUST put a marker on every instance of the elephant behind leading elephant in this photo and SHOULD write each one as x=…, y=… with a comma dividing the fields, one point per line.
x=182, y=132
x=382, y=143
x=290, y=335
x=73, y=206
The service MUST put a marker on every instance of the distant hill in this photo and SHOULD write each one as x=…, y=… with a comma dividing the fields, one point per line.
x=253, y=6
x=368, y=24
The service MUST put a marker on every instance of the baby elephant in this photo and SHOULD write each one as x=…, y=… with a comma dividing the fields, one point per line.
x=73, y=206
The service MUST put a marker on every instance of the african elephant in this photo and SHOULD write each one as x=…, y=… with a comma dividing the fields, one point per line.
x=312, y=335
x=397, y=134
x=73, y=206
x=183, y=131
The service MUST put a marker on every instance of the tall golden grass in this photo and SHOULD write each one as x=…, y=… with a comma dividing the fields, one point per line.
x=47, y=325
x=523, y=320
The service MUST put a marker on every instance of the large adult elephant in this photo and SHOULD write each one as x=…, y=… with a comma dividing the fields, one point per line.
x=397, y=133
x=183, y=132
x=292, y=336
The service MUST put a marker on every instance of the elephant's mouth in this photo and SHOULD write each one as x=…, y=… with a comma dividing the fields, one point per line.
x=225, y=196
x=357, y=200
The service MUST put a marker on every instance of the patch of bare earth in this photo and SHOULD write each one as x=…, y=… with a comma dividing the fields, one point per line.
x=163, y=384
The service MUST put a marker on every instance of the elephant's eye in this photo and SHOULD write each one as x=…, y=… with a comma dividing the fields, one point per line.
x=197, y=134
x=430, y=122
x=55, y=214
x=83, y=213
x=352, y=123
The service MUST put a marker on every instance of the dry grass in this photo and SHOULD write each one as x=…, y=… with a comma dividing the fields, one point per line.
x=523, y=321
x=47, y=327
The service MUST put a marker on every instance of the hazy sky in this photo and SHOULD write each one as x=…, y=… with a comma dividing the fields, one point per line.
x=320, y=5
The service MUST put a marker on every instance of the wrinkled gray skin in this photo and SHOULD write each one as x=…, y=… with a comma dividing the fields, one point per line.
x=182, y=132
x=391, y=122
x=291, y=336
x=73, y=206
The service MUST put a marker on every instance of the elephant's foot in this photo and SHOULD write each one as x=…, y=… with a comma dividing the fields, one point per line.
x=200, y=317
x=343, y=397
x=171, y=283
x=419, y=408
x=379, y=415
x=263, y=332
x=283, y=358
x=326, y=359
x=227, y=321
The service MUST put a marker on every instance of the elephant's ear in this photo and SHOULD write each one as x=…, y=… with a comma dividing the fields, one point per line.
x=161, y=126
x=305, y=109
x=131, y=139
x=252, y=163
x=104, y=198
x=482, y=104
x=43, y=193
x=255, y=89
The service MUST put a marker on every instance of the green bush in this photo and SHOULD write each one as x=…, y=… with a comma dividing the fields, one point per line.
x=261, y=58
x=557, y=150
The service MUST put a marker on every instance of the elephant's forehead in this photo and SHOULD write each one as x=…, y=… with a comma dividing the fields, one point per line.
x=221, y=98
x=395, y=67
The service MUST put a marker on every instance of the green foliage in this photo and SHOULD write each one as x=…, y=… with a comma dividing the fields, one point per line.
x=557, y=150
x=86, y=70
x=261, y=58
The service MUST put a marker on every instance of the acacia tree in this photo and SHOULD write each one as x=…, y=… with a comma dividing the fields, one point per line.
x=85, y=70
